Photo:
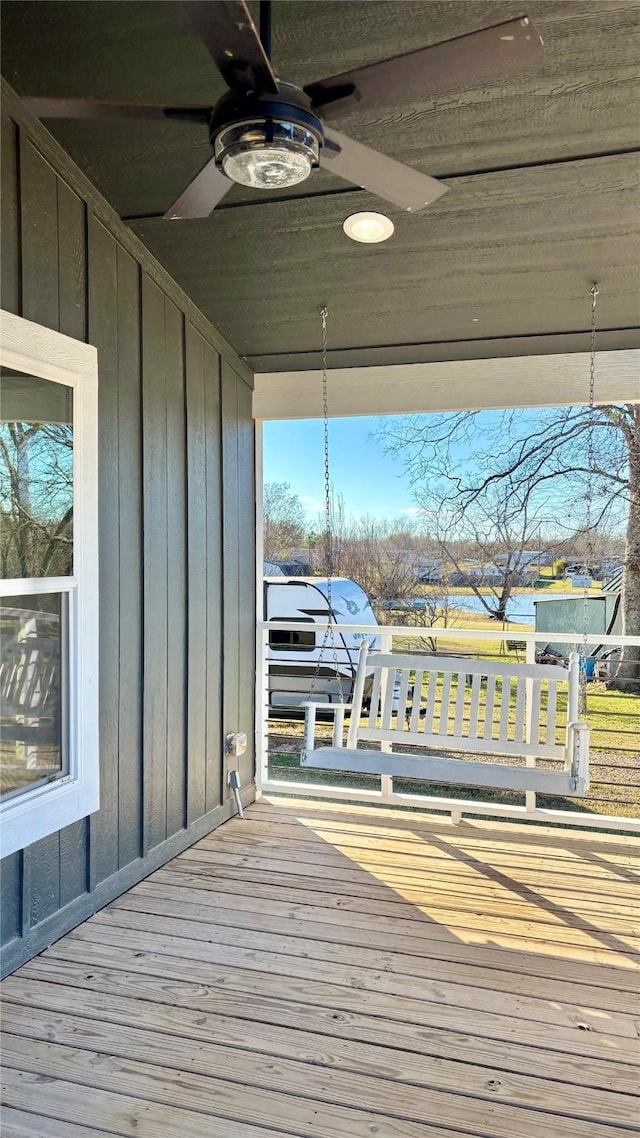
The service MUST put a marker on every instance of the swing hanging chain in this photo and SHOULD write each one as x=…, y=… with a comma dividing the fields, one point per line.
x=590, y=544
x=329, y=634
x=328, y=550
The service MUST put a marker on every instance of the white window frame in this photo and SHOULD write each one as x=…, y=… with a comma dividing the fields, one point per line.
x=32, y=814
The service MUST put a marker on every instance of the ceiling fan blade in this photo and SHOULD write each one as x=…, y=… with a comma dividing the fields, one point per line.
x=90, y=109
x=231, y=38
x=455, y=64
x=202, y=195
x=390, y=180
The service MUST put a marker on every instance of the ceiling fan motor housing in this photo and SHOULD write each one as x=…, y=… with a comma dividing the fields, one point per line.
x=266, y=140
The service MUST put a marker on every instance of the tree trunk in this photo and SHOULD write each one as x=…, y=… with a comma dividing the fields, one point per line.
x=627, y=677
x=500, y=613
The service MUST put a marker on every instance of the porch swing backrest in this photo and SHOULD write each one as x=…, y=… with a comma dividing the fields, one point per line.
x=465, y=705
x=463, y=719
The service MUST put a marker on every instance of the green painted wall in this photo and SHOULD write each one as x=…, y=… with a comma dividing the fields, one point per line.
x=176, y=541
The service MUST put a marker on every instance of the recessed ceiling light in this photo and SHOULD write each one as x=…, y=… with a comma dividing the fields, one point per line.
x=368, y=227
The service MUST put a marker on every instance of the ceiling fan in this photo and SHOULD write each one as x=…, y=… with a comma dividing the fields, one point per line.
x=267, y=133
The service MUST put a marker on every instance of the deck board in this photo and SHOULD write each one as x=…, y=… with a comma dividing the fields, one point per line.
x=328, y=971
x=354, y=961
x=349, y=884
x=466, y=895
x=240, y=909
x=401, y=1056
x=22, y=1124
x=407, y=920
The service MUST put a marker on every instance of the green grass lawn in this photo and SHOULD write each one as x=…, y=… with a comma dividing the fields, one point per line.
x=459, y=646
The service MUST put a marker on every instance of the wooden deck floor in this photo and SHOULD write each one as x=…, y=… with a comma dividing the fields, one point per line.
x=338, y=972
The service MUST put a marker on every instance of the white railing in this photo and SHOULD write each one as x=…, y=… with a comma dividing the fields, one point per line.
x=387, y=794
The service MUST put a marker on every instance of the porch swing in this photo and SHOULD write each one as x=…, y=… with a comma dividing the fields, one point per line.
x=433, y=704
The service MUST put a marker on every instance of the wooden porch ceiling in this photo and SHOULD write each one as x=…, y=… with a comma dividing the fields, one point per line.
x=542, y=172
x=337, y=972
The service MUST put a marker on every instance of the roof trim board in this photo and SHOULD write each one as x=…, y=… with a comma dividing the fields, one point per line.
x=463, y=385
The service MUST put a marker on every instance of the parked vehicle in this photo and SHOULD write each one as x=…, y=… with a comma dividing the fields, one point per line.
x=314, y=664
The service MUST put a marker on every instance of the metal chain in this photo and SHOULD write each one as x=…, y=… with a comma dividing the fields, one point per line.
x=328, y=543
x=329, y=634
x=591, y=460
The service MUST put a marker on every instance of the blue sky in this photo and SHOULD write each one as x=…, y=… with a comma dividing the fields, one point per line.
x=370, y=481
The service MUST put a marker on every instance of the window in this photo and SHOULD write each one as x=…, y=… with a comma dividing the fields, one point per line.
x=48, y=582
x=284, y=641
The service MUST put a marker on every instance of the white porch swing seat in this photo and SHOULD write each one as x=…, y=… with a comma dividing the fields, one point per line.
x=515, y=726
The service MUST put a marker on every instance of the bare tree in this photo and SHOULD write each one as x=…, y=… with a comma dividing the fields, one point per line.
x=284, y=520
x=36, y=499
x=379, y=554
x=588, y=459
x=434, y=609
x=498, y=527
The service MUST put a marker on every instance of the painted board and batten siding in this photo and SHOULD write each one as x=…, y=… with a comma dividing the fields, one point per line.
x=176, y=542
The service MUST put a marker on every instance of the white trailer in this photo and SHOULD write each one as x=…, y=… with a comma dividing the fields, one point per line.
x=302, y=665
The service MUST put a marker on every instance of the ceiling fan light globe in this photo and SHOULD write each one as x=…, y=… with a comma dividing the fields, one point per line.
x=267, y=166
x=267, y=153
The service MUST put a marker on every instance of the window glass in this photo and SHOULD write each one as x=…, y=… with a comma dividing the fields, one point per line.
x=32, y=682
x=36, y=477
x=291, y=641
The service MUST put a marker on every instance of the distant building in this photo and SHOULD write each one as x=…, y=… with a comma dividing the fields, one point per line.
x=493, y=574
x=477, y=575
x=525, y=558
x=429, y=572
x=459, y=578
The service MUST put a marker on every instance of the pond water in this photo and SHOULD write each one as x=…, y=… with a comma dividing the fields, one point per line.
x=520, y=608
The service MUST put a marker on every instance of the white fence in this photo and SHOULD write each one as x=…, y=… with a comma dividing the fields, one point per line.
x=388, y=794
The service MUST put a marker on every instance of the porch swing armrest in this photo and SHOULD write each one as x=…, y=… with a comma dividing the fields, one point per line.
x=311, y=708
x=578, y=752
